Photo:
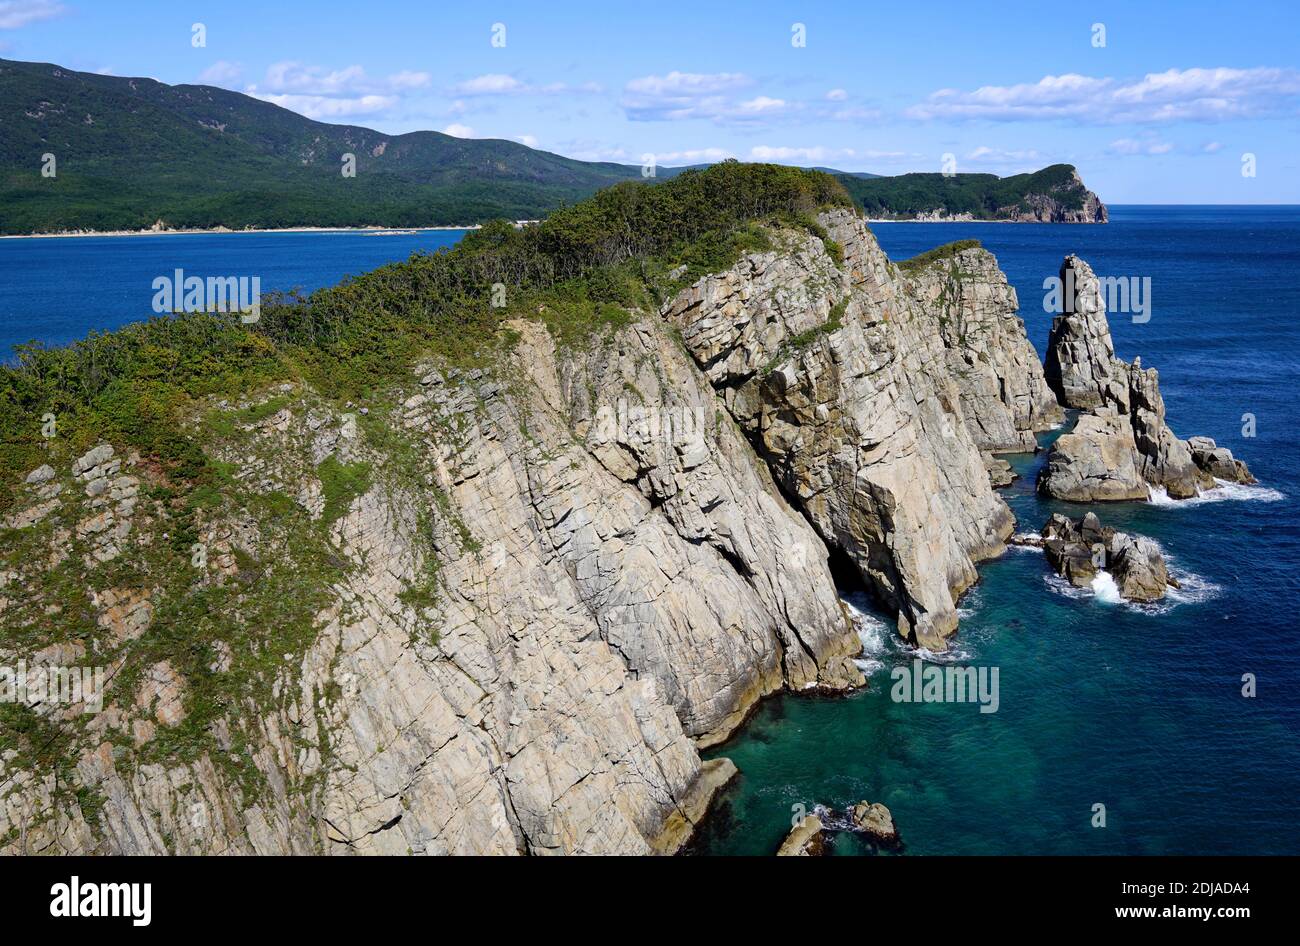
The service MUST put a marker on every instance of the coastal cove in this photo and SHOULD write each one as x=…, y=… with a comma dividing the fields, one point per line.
x=1137, y=708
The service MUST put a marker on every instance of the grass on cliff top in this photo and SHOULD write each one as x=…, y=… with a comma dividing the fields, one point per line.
x=132, y=386
x=947, y=251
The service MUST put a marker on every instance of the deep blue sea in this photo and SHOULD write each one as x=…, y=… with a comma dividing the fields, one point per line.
x=56, y=289
x=1100, y=703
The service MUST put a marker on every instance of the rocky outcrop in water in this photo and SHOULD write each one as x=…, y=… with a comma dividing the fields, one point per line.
x=875, y=821
x=1121, y=445
x=501, y=609
x=804, y=840
x=1079, y=549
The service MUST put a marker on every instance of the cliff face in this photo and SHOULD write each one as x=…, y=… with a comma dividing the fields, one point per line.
x=1004, y=395
x=1068, y=202
x=839, y=372
x=1121, y=444
x=501, y=610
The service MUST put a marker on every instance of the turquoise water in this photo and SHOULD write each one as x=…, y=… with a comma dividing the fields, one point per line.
x=1138, y=709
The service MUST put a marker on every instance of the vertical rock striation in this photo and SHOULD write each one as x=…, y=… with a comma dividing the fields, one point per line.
x=503, y=608
x=838, y=371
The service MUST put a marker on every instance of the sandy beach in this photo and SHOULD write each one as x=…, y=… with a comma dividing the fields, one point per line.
x=378, y=231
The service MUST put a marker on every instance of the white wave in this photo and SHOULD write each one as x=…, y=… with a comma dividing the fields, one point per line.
x=1105, y=589
x=1193, y=589
x=879, y=638
x=872, y=631
x=1159, y=496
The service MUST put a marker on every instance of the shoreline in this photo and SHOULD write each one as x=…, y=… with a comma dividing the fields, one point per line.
x=68, y=234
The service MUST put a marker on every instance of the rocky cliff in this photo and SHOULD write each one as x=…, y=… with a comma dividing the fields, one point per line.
x=499, y=609
x=1065, y=202
x=1121, y=445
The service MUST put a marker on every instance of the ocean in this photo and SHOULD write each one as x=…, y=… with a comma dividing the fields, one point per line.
x=57, y=289
x=1101, y=703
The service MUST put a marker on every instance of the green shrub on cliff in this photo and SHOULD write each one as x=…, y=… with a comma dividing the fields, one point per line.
x=134, y=385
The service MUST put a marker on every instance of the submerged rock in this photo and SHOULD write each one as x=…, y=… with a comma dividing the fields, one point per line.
x=1122, y=444
x=1079, y=549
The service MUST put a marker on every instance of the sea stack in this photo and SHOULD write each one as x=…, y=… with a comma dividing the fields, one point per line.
x=1121, y=446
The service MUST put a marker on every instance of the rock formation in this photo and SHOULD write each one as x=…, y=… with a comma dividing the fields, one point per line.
x=876, y=822
x=838, y=371
x=1121, y=445
x=1005, y=397
x=1055, y=207
x=1079, y=549
x=502, y=610
x=804, y=840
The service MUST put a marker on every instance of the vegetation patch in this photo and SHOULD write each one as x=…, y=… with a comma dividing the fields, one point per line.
x=947, y=251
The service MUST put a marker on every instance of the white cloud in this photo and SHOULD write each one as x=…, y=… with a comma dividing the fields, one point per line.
x=323, y=106
x=1146, y=145
x=495, y=83
x=588, y=150
x=1212, y=146
x=986, y=155
x=295, y=77
x=318, y=92
x=221, y=72
x=681, y=96
x=1219, y=94
x=457, y=130
x=18, y=13
x=837, y=95
x=693, y=156
x=688, y=84
x=529, y=140
x=764, y=104
x=813, y=154
x=856, y=113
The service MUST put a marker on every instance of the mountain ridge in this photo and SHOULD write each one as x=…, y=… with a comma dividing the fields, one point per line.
x=138, y=154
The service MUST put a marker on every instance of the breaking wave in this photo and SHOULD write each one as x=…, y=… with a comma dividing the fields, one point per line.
x=1224, y=491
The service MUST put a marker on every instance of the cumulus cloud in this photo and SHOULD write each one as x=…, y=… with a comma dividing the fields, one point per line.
x=529, y=140
x=318, y=92
x=837, y=95
x=495, y=83
x=986, y=155
x=1219, y=94
x=1148, y=146
x=324, y=106
x=221, y=72
x=680, y=96
x=457, y=130
x=819, y=154
x=693, y=156
x=15, y=14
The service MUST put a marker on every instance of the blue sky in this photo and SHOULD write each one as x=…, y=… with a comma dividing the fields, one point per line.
x=1163, y=112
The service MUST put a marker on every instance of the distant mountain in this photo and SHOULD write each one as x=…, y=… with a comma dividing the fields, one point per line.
x=130, y=152
x=135, y=153
x=1056, y=194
